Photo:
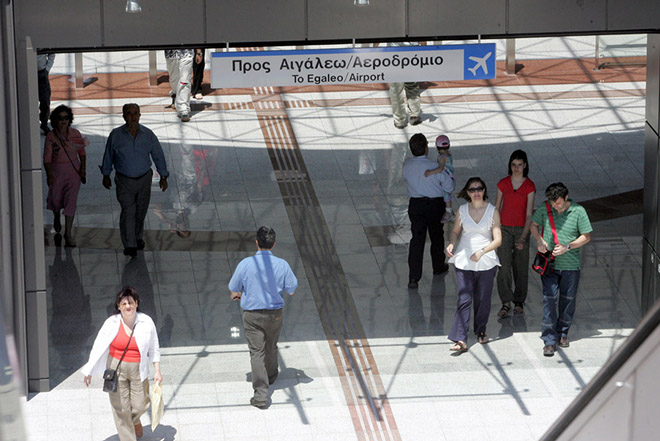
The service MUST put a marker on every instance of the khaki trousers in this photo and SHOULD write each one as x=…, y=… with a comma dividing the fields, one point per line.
x=130, y=401
x=412, y=101
x=262, y=330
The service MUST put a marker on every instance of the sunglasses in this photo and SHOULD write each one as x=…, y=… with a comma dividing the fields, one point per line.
x=63, y=118
x=473, y=189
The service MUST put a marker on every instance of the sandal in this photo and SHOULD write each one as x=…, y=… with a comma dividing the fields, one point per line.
x=518, y=309
x=482, y=338
x=459, y=347
x=504, y=310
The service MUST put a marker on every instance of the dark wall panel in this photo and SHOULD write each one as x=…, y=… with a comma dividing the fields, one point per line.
x=66, y=23
x=340, y=19
x=172, y=22
x=626, y=14
x=240, y=20
x=452, y=17
x=539, y=16
x=653, y=81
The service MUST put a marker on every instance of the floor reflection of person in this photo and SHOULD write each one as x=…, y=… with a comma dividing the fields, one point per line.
x=71, y=312
x=127, y=328
x=65, y=163
x=478, y=225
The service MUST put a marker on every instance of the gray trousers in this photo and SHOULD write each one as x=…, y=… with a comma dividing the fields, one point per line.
x=133, y=196
x=262, y=330
x=514, y=263
x=412, y=101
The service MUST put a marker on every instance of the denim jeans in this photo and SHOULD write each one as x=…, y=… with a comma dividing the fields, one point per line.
x=559, y=291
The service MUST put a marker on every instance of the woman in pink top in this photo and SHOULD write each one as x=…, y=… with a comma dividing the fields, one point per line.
x=64, y=160
x=515, y=201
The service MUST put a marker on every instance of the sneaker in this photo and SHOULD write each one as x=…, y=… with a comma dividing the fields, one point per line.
x=185, y=117
x=549, y=350
x=414, y=120
x=449, y=216
x=563, y=342
x=198, y=96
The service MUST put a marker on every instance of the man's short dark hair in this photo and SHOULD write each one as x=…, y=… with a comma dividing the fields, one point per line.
x=127, y=105
x=266, y=237
x=556, y=191
x=418, y=144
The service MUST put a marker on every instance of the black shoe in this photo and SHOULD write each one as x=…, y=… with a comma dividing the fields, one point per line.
x=563, y=342
x=258, y=404
x=272, y=379
x=443, y=269
x=130, y=251
x=549, y=350
x=45, y=129
x=412, y=284
x=140, y=244
x=414, y=120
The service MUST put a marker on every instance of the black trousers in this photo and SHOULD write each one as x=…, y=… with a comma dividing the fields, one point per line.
x=425, y=215
x=44, y=97
x=198, y=76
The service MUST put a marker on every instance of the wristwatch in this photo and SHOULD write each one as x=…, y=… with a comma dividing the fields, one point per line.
x=568, y=247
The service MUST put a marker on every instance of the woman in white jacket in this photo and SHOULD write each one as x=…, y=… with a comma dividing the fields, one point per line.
x=127, y=327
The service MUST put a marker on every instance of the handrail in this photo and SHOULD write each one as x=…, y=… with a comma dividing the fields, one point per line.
x=648, y=324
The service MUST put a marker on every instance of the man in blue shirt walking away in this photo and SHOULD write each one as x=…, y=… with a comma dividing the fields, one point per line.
x=130, y=149
x=260, y=282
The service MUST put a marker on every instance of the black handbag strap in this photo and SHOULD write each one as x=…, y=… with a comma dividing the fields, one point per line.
x=127, y=344
x=63, y=146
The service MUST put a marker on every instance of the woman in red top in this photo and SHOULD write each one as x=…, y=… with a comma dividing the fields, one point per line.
x=64, y=160
x=515, y=201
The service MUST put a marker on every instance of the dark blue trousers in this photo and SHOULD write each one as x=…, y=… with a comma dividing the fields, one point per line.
x=477, y=287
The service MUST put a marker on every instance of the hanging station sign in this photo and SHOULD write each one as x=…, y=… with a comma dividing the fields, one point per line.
x=353, y=66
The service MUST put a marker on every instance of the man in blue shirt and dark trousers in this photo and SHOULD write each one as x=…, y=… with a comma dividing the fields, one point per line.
x=260, y=282
x=425, y=209
x=130, y=149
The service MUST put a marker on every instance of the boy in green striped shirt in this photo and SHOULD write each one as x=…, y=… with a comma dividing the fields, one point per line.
x=560, y=286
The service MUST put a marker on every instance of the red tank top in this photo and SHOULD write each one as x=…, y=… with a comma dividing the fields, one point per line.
x=119, y=344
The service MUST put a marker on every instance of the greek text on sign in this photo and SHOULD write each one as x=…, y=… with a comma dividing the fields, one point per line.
x=353, y=66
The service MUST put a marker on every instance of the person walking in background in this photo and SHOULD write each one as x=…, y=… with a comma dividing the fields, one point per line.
x=44, y=64
x=445, y=160
x=198, y=74
x=560, y=286
x=65, y=163
x=515, y=201
x=478, y=225
x=425, y=209
x=129, y=150
x=179, y=68
x=132, y=335
x=259, y=282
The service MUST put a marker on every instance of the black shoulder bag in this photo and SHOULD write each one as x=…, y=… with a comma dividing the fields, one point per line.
x=544, y=263
x=110, y=377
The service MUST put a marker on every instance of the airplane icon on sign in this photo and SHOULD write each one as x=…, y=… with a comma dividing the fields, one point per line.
x=481, y=63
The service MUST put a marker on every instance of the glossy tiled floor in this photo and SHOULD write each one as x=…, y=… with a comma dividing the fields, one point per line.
x=361, y=356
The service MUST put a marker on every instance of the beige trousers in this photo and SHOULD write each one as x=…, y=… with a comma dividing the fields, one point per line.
x=130, y=401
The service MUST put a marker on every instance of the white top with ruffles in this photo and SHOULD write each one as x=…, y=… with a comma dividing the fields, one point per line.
x=474, y=237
